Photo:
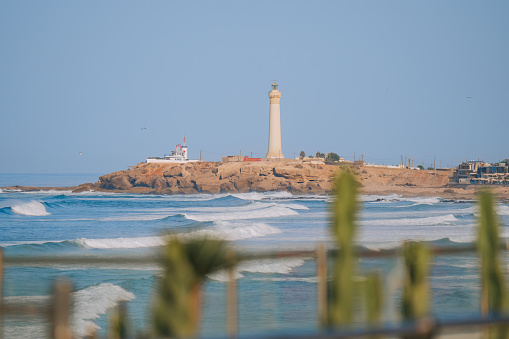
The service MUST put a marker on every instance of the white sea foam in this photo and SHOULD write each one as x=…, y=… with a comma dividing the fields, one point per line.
x=463, y=239
x=221, y=230
x=87, y=304
x=264, y=195
x=269, y=212
x=91, y=302
x=503, y=210
x=397, y=197
x=438, y=220
x=50, y=192
x=120, y=242
x=234, y=231
x=32, y=207
x=266, y=266
x=136, y=217
x=29, y=242
x=250, y=207
x=422, y=201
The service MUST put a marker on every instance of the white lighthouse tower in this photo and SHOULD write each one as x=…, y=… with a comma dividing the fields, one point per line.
x=275, y=151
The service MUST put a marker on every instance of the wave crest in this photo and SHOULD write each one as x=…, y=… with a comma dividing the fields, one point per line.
x=93, y=301
x=268, y=212
x=438, y=220
x=32, y=207
x=222, y=230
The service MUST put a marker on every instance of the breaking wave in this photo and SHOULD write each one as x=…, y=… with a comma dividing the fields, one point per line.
x=120, y=242
x=32, y=207
x=221, y=230
x=264, y=195
x=87, y=304
x=266, y=266
x=438, y=220
x=91, y=302
x=268, y=212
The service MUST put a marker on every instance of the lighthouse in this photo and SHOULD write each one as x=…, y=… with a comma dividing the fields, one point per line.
x=275, y=151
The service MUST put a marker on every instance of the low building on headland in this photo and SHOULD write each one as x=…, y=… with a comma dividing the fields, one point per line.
x=240, y=158
x=179, y=155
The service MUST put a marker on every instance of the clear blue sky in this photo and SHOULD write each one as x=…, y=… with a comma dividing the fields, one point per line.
x=379, y=78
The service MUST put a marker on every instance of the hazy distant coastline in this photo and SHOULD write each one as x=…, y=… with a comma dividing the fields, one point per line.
x=296, y=178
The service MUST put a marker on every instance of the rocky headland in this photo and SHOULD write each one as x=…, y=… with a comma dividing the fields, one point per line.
x=294, y=177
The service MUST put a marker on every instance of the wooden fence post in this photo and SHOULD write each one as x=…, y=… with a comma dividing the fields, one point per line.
x=60, y=310
x=232, y=303
x=321, y=268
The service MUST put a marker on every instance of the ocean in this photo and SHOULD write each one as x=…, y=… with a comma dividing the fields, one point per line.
x=275, y=295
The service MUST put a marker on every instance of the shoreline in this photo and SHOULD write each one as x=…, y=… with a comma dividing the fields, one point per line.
x=296, y=178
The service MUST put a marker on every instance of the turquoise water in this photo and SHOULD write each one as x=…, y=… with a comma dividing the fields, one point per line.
x=276, y=295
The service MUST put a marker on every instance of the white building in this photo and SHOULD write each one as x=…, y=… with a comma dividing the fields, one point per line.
x=179, y=155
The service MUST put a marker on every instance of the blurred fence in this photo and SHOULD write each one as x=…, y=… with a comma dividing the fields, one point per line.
x=58, y=311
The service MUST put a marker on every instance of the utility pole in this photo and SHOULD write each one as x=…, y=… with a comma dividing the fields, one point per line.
x=200, y=155
x=353, y=156
x=435, y=162
x=401, y=161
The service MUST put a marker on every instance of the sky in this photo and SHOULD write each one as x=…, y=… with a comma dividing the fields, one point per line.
x=122, y=80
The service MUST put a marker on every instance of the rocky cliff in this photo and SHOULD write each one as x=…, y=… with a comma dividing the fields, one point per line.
x=213, y=177
x=297, y=178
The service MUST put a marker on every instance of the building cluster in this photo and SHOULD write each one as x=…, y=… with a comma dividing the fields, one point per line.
x=480, y=172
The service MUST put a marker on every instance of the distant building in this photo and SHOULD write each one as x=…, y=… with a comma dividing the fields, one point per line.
x=179, y=155
x=233, y=158
x=466, y=171
x=240, y=158
x=480, y=172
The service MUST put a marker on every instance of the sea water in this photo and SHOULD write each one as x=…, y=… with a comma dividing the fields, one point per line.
x=275, y=295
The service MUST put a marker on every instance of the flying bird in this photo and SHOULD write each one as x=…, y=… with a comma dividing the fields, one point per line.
x=143, y=128
x=80, y=153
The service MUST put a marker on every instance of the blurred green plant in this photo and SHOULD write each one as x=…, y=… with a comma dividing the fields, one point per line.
x=178, y=301
x=373, y=298
x=416, y=289
x=416, y=294
x=495, y=299
x=344, y=209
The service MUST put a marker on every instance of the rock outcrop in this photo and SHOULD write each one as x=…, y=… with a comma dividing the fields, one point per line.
x=294, y=177
x=213, y=177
